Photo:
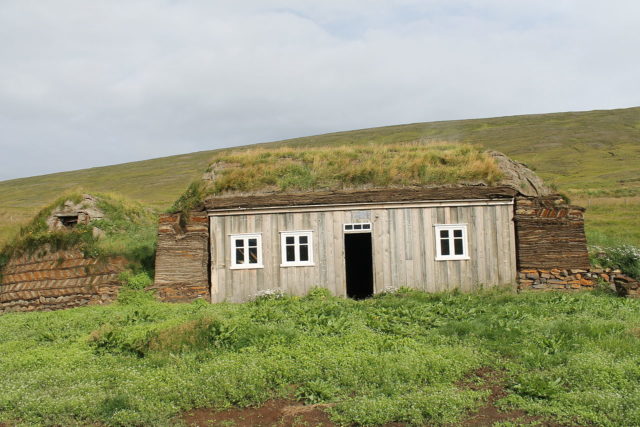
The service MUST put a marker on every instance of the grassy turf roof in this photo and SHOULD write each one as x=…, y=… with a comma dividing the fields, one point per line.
x=128, y=230
x=357, y=166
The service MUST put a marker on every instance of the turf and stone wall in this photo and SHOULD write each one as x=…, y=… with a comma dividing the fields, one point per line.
x=58, y=280
x=182, y=258
x=552, y=249
x=550, y=234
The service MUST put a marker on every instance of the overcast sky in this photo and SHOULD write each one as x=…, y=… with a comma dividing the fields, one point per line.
x=98, y=82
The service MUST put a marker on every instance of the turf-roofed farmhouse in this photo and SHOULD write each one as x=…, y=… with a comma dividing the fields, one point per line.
x=360, y=219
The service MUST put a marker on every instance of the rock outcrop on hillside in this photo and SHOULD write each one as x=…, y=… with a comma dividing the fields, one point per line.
x=519, y=177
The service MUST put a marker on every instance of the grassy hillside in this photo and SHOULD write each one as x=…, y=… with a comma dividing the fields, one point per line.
x=588, y=155
x=411, y=357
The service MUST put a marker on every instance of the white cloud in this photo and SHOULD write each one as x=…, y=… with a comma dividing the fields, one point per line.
x=102, y=82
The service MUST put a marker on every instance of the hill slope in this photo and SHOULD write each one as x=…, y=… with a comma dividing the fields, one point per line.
x=586, y=154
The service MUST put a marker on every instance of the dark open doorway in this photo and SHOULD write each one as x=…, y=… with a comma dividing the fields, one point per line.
x=359, y=265
x=69, y=221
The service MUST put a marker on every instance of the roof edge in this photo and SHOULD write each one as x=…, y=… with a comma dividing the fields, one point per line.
x=380, y=195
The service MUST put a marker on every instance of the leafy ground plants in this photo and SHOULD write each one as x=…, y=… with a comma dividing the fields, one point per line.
x=400, y=357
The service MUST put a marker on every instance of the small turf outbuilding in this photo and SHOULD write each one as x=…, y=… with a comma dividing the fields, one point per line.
x=361, y=220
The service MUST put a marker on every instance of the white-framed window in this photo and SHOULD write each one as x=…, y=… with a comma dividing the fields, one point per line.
x=451, y=242
x=358, y=227
x=246, y=251
x=297, y=248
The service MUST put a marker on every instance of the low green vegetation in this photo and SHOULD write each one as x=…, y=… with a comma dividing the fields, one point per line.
x=128, y=229
x=404, y=356
x=623, y=257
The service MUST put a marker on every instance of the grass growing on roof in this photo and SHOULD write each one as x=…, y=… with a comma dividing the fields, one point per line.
x=344, y=167
x=353, y=166
x=129, y=227
x=396, y=357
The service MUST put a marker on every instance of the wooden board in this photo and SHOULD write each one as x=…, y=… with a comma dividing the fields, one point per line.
x=403, y=250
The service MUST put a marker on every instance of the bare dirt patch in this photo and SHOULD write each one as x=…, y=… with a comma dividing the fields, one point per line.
x=282, y=413
x=290, y=413
x=488, y=414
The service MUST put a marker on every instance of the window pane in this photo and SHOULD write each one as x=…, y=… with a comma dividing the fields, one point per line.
x=290, y=240
x=357, y=227
x=366, y=226
x=444, y=234
x=457, y=246
x=348, y=227
x=253, y=255
x=457, y=233
x=444, y=247
x=304, y=239
x=253, y=242
x=291, y=253
x=239, y=243
x=240, y=256
x=304, y=252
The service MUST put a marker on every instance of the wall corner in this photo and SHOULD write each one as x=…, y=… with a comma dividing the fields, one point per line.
x=182, y=258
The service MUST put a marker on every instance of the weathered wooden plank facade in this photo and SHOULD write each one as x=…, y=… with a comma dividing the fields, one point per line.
x=399, y=257
x=403, y=246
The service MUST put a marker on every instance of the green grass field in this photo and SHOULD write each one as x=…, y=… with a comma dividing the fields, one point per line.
x=406, y=357
x=611, y=221
x=588, y=155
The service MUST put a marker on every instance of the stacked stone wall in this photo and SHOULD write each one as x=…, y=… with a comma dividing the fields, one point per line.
x=58, y=280
x=552, y=249
x=182, y=258
x=577, y=279
x=550, y=234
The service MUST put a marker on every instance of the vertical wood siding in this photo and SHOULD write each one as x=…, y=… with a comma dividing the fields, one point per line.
x=404, y=250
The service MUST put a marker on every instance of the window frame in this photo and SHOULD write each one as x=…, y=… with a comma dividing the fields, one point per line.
x=357, y=227
x=245, y=237
x=451, y=238
x=296, y=234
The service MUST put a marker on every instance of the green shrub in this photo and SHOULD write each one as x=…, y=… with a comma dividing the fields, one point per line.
x=132, y=290
x=319, y=293
x=623, y=257
x=191, y=198
x=537, y=385
x=133, y=281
